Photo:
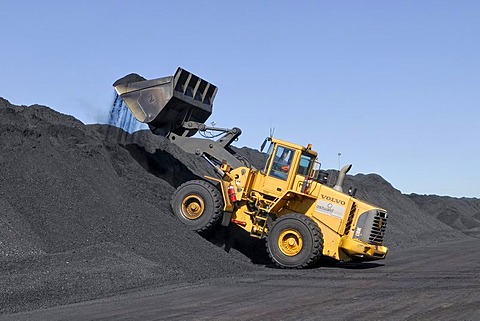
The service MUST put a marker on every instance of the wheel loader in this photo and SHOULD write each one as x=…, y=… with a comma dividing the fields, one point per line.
x=287, y=201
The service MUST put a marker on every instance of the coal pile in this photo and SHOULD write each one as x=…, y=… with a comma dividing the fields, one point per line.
x=408, y=224
x=81, y=218
x=85, y=213
x=460, y=213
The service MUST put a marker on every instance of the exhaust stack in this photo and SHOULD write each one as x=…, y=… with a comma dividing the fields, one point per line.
x=341, y=177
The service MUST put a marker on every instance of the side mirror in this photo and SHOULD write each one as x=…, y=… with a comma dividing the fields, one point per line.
x=264, y=143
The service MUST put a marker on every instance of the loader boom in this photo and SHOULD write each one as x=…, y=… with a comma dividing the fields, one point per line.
x=177, y=107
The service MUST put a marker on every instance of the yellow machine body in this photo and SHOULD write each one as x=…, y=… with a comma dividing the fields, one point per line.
x=336, y=213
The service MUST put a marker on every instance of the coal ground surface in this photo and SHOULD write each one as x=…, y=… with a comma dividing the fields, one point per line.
x=85, y=213
x=409, y=285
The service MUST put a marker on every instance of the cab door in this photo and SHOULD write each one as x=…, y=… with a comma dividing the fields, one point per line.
x=279, y=172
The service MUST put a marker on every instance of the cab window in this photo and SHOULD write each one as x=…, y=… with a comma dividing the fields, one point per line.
x=267, y=161
x=305, y=164
x=282, y=162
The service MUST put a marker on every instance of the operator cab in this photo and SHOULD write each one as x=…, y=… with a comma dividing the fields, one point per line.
x=288, y=166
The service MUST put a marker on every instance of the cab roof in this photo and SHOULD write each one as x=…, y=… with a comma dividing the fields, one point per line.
x=307, y=149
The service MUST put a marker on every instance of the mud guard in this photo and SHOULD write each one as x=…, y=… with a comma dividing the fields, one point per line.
x=227, y=218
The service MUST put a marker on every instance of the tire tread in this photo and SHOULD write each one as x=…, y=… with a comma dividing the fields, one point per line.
x=217, y=202
x=317, y=236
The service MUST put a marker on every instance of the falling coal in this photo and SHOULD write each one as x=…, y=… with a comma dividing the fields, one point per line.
x=121, y=117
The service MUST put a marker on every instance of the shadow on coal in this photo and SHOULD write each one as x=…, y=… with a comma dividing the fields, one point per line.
x=162, y=164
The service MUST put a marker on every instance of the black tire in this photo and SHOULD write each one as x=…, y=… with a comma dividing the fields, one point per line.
x=198, y=204
x=294, y=241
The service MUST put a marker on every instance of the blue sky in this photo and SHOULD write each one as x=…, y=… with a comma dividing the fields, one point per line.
x=394, y=86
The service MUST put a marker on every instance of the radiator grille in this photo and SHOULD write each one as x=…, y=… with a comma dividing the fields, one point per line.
x=378, y=227
x=348, y=225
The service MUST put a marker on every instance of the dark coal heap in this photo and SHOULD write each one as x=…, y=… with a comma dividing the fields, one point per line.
x=85, y=213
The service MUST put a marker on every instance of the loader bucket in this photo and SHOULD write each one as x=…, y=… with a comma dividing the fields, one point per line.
x=166, y=103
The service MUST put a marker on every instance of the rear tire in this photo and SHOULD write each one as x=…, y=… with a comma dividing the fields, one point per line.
x=198, y=204
x=294, y=241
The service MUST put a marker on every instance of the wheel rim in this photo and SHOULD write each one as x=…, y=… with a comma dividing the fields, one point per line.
x=290, y=242
x=192, y=207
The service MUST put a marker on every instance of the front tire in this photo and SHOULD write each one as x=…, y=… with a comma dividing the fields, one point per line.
x=198, y=204
x=294, y=241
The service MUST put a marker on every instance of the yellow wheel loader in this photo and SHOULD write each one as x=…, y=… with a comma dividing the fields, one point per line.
x=287, y=201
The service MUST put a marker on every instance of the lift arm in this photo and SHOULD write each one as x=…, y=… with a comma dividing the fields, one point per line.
x=177, y=107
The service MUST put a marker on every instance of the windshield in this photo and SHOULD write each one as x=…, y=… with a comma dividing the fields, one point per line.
x=282, y=162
